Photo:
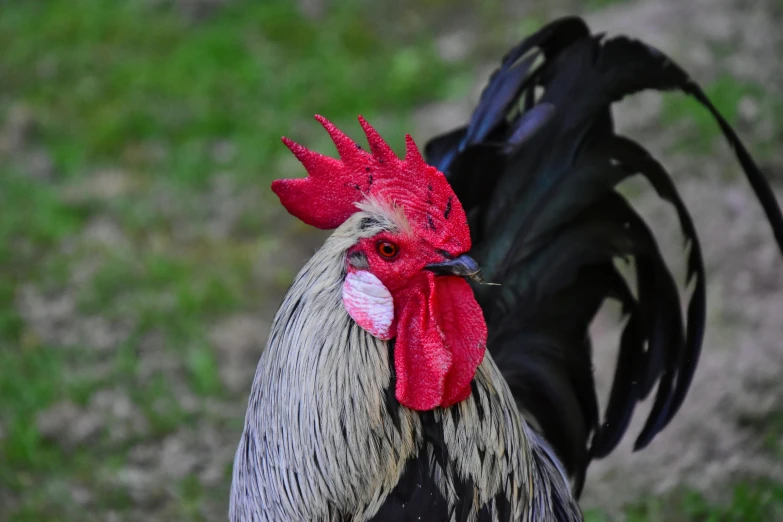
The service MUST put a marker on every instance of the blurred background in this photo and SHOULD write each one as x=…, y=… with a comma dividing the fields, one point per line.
x=142, y=257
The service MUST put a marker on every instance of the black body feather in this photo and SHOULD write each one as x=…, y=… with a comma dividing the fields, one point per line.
x=536, y=169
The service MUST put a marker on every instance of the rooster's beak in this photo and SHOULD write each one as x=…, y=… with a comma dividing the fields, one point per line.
x=462, y=266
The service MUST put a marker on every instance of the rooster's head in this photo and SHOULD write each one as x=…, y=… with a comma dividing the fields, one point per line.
x=405, y=272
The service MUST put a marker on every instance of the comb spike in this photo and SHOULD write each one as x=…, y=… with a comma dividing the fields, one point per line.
x=412, y=155
x=378, y=146
x=312, y=161
x=348, y=149
x=327, y=197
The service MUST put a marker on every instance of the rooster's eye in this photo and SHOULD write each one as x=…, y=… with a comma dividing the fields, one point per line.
x=387, y=249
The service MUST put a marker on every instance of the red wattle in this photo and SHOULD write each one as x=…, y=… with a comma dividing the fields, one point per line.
x=441, y=339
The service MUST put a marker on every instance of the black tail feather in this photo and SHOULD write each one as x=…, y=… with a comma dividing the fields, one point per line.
x=638, y=159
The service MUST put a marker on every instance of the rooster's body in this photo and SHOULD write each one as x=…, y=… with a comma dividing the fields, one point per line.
x=374, y=399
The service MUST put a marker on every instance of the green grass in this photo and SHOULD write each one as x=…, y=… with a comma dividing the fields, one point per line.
x=768, y=429
x=600, y=4
x=701, y=133
x=173, y=106
x=140, y=79
x=751, y=502
x=30, y=382
x=725, y=93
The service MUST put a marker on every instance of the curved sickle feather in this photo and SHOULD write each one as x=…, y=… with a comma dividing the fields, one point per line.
x=531, y=202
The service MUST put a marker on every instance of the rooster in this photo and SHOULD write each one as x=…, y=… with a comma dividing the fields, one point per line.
x=404, y=380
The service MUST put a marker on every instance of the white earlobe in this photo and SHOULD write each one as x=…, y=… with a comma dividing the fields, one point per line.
x=369, y=303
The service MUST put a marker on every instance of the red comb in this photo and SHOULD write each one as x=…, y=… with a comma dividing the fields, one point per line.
x=328, y=196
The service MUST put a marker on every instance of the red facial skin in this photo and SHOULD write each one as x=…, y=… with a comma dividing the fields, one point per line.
x=412, y=256
x=440, y=328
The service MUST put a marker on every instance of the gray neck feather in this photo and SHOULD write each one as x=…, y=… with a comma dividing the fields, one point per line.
x=318, y=439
